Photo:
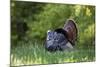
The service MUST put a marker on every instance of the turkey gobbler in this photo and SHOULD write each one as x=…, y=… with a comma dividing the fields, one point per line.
x=62, y=38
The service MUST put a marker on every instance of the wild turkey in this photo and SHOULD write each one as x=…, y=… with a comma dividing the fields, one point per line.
x=62, y=38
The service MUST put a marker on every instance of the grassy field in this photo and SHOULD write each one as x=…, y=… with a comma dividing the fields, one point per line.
x=33, y=54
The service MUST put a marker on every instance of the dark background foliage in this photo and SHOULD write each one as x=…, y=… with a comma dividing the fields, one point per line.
x=40, y=17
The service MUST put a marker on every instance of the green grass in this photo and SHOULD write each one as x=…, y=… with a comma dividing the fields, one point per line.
x=32, y=54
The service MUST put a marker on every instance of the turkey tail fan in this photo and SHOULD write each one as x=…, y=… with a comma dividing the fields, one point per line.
x=71, y=31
